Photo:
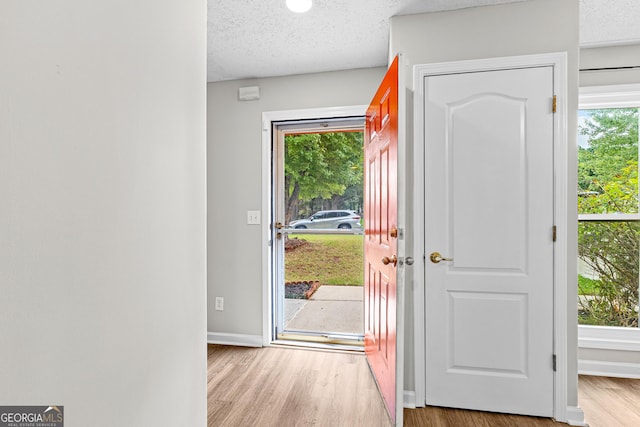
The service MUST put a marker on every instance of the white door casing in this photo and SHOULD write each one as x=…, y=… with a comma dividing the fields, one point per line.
x=487, y=130
x=269, y=118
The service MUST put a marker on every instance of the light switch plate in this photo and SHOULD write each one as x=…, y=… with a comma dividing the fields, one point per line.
x=253, y=217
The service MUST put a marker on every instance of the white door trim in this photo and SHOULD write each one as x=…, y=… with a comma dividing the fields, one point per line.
x=558, y=61
x=268, y=117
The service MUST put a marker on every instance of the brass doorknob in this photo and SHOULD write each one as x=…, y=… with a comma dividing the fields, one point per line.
x=435, y=257
x=393, y=260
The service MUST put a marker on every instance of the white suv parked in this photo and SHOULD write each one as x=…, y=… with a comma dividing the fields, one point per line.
x=340, y=219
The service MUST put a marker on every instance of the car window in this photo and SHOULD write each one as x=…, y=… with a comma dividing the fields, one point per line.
x=343, y=213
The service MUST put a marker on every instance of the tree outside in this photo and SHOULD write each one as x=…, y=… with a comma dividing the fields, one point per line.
x=608, y=250
x=323, y=171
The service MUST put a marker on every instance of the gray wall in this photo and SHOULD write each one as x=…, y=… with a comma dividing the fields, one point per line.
x=609, y=57
x=234, y=138
x=102, y=210
x=530, y=27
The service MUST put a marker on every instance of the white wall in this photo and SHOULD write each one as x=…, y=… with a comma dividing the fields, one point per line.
x=234, y=138
x=102, y=210
x=530, y=27
x=594, y=360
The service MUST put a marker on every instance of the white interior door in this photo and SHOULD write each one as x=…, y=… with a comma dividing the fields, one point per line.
x=489, y=213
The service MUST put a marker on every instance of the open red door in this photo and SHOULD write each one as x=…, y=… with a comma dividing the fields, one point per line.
x=381, y=235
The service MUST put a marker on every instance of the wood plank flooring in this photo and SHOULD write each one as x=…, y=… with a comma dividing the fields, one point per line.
x=295, y=387
x=291, y=387
x=610, y=401
x=432, y=416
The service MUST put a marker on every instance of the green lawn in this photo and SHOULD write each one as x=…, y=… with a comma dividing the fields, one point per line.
x=329, y=259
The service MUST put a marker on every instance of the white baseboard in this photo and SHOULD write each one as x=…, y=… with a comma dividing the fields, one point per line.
x=575, y=417
x=409, y=399
x=234, y=339
x=609, y=369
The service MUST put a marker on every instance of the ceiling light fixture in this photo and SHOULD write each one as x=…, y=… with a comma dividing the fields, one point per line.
x=299, y=6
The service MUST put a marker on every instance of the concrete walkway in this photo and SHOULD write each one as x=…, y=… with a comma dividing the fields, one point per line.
x=330, y=309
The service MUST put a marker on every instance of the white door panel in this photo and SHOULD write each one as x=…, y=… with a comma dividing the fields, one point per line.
x=502, y=353
x=474, y=178
x=489, y=209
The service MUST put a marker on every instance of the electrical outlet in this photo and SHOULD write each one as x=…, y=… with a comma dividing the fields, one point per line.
x=219, y=303
x=253, y=217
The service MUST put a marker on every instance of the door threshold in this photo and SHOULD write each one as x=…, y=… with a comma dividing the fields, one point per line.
x=322, y=341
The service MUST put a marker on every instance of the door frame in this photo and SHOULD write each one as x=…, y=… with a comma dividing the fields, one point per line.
x=321, y=338
x=267, y=211
x=562, y=193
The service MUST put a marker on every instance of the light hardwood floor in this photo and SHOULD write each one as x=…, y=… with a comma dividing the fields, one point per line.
x=294, y=387
x=610, y=401
x=291, y=387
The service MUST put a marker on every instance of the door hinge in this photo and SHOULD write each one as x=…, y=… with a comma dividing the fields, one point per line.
x=554, y=363
x=554, y=103
x=554, y=233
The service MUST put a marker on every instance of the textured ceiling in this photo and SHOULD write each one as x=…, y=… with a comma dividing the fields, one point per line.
x=262, y=38
x=609, y=22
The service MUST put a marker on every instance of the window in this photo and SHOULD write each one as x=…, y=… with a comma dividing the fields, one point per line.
x=608, y=213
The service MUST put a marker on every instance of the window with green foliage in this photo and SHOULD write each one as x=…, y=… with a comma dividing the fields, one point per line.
x=323, y=170
x=609, y=219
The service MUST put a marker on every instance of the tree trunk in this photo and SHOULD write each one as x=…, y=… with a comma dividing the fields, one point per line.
x=292, y=203
x=336, y=201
